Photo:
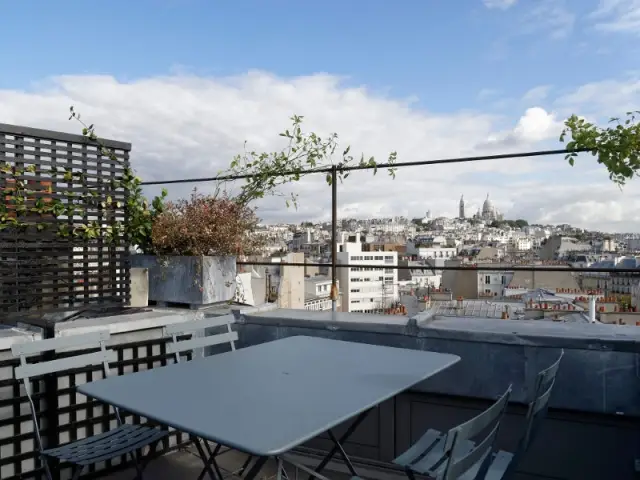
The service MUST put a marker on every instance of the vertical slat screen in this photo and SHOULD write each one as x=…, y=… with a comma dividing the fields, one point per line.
x=40, y=270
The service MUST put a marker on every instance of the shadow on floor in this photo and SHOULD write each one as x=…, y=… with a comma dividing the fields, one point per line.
x=187, y=465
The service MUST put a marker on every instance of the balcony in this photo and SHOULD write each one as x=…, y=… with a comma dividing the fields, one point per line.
x=590, y=431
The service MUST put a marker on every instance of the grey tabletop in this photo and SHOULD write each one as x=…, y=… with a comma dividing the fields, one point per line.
x=269, y=398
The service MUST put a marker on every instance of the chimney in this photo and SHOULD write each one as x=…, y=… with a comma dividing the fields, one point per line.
x=592, y=309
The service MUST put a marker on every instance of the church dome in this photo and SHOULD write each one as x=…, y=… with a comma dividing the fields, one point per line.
x=487, y=206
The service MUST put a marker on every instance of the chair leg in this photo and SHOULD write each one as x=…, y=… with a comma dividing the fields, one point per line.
x=141, y=462
x=149, y=456
x=77, y=471
x=45, y=466
x=135, y=456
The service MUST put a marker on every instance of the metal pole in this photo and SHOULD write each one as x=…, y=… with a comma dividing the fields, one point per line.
x=334, y=237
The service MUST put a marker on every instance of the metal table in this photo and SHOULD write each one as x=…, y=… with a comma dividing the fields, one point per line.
x=270, y=398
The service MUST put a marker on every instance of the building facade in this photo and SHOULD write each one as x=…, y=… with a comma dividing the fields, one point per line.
x=371, y=288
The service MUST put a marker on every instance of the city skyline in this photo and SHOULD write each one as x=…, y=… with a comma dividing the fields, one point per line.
x=187, y=91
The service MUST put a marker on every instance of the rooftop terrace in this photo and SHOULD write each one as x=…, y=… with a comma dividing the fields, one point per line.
x=590, y=431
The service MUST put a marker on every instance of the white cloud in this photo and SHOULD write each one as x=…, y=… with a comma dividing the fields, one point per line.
x=487, y=94
x=537, y=94
x=536, y=125
x=548, y=16
x=184, y=126
x=499, y=4
x=617, y=16
x=606, y=98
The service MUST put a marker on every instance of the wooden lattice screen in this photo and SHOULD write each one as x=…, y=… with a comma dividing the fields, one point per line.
x=54, y=185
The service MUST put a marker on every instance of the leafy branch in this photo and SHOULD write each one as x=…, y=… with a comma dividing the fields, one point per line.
x=305, y=154
x=617, y=146
x=140, y=215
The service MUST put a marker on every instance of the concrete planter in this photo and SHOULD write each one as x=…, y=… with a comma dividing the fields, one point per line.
x=139, y=287
x=196, y=281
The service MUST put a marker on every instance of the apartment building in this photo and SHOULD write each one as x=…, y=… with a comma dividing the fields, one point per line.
x=317, y=293
x=425, y=249
x=476, y=284
x=367, y=289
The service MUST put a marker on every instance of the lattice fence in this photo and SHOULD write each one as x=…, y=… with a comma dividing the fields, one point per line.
x=61, y=217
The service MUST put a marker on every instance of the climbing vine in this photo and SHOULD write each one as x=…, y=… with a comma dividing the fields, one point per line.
x=305, y=153
x=139, y=213
x=25, y=207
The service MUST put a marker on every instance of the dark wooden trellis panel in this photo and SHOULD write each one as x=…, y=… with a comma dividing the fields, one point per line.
x=41, y=271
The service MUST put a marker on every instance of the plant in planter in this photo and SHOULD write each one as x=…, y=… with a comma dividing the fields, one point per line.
x=196, y=242
x=190, y=238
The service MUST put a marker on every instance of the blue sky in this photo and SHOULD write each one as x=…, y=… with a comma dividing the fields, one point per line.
x=444, y=52
x=428, y=78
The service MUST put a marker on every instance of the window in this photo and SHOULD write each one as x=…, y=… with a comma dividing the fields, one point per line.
x=388, y=270
x=487, y=279
x=504, y=280
x=355, y=301
x=354, y=290
x=380, y=279
x=388, y=257
x=369, y=257
x=378, y=257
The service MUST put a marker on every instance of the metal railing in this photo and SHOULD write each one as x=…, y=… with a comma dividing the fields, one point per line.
x=334, y=170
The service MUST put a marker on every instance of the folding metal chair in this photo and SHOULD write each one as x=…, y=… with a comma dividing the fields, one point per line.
x=453, y=456
x=504, y=463
x=449, y=456
x=123, y=440
x=185, y=338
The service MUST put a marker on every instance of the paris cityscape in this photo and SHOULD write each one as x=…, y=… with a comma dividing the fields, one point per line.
x=363, y=240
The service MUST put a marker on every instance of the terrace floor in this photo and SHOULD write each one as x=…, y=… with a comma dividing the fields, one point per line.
x=185, y=464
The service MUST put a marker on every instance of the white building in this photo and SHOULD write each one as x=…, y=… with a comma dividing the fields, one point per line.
x=520, y=244
x=317, y=293
x=430, y=250
x=492, y=284
x=367, y=289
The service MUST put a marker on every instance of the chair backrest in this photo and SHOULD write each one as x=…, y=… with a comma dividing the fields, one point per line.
x=545, y=381
x=195, y=327
x=26, y=371
x=459, y=461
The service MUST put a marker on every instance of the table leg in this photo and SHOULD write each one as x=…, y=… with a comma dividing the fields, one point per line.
x=255, y=469
x=337, y=448
x=208, y=461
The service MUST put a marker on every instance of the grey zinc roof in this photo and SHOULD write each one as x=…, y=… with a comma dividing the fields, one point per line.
x=475, y=308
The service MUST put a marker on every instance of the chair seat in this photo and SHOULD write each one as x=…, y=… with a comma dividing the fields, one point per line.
x=499, y=465
x=426, y=456
x=105, y=446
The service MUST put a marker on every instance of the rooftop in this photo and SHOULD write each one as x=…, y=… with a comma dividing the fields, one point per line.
x=475, y=308
x=594, y=406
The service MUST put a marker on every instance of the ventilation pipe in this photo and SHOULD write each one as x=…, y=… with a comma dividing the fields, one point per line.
x=592, y=309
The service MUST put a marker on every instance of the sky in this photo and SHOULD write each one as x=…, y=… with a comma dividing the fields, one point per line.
x=187, y=82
